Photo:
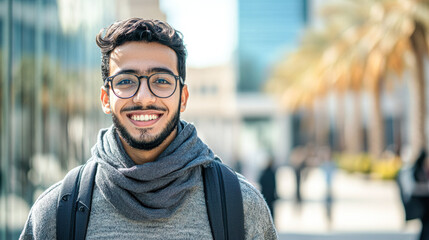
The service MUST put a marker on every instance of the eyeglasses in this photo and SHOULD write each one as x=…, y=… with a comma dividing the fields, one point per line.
x=126, y=85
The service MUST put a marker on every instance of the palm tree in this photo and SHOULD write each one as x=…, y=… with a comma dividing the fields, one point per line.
x=401, y=44
x=368, y=40
x=296, y=80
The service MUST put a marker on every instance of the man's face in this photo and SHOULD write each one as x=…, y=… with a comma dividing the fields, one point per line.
x=144, y=121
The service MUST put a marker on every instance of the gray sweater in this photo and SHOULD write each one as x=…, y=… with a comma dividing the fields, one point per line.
x=189, y=222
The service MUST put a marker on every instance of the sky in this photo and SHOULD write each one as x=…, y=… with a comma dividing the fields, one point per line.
x=209, y=28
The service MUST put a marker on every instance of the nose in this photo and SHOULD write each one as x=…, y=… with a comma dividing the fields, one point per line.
x=144, y=95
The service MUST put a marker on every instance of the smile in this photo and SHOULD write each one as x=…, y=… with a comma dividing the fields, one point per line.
x=144, y=117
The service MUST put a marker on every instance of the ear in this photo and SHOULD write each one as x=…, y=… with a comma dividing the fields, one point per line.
x=105, y=102
x=184, y=98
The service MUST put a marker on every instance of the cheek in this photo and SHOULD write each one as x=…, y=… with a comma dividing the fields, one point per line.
x=115, y=104
x=177, y=103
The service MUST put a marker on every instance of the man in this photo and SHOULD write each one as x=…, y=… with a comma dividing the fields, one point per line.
x=148, y=183
x=267, y=180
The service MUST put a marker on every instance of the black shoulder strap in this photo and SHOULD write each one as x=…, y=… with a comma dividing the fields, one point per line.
x=74, y=202
x=66, y=201
x=223, y=192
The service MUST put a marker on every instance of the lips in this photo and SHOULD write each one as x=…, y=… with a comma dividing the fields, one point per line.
x=144, y=118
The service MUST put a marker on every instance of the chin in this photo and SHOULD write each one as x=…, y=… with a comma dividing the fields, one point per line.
x=145, y=138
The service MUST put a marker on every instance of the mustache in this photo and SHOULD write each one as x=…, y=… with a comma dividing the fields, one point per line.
x=141, y=108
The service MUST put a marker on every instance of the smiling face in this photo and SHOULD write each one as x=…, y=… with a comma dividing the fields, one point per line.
x=144, y=121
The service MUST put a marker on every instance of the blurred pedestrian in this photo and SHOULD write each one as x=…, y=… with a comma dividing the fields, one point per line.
x=267, y=180
x=421, y=176
x=413, y=184
x=329, y=167
x=297, y=161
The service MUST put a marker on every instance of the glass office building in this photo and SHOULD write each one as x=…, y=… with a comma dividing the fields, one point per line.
x=49, y=96
x=267, y=30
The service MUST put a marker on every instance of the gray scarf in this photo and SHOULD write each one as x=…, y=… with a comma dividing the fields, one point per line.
x=152, y=190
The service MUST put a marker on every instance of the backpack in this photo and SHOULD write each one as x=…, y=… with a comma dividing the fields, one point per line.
x=221, y=189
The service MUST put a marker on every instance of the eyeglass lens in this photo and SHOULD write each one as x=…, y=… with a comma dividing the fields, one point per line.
x=160, y=84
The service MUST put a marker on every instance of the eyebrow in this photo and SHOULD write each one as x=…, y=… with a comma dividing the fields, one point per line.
x=149, y=71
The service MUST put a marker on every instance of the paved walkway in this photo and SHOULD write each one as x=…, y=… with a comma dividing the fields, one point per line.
x=363, y=208
x=350, y=236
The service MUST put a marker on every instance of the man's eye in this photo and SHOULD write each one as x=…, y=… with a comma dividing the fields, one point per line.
x=125, y=82
x=162, y=81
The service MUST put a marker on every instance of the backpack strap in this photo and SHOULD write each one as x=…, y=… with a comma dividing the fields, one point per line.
x=65, y=204
x=74, y=202
x=224, y=202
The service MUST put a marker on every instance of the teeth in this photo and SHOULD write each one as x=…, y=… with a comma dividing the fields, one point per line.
x=144, y=117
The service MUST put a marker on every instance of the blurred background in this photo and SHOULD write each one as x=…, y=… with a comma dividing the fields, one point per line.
x=318, y=103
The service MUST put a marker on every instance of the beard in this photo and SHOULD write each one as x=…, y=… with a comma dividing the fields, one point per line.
x=144, y=142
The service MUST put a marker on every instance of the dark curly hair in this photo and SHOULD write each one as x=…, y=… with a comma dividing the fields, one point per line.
x=137, y=29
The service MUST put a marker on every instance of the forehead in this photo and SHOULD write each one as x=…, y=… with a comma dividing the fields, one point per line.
x=141, y=57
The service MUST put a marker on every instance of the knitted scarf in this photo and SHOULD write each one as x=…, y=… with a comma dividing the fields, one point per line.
x=153, y=190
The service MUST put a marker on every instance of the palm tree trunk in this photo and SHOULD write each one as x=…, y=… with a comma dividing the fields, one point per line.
x=321, y=124
x=417, y=93
x=376, y=124
x=353, y=129
x=340, y=119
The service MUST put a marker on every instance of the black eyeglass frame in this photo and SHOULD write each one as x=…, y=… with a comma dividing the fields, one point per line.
x=110, y=79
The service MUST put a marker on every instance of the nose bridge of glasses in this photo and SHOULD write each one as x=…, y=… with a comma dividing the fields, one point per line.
x=144, y=89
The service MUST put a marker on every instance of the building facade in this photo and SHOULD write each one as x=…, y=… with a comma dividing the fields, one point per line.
x=266, y=31
x=49, y=83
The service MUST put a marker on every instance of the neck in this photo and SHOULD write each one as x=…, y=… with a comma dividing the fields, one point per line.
x=144, y=156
